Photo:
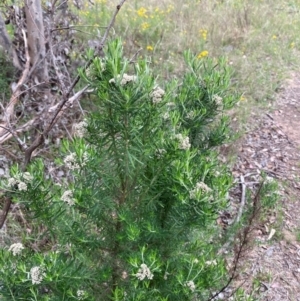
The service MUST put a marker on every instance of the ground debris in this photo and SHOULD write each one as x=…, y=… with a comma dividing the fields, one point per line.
x=272, y=147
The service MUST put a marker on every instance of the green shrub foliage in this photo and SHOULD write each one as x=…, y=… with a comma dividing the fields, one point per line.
x=134, y=217
x=7, y=75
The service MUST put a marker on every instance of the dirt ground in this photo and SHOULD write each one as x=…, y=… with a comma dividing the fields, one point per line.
x=272, y=266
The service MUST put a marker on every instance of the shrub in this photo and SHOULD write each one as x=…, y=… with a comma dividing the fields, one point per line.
x=134, y=218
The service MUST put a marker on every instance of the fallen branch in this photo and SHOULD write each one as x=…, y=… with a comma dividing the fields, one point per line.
x=34, y=121
x=243, y=197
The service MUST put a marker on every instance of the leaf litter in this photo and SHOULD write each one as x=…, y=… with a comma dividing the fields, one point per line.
x=270, y=269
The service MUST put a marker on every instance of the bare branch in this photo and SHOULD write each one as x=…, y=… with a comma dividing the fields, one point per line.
x=9, y=110
x=241, y=241
x=57, y=109
x=75, y=82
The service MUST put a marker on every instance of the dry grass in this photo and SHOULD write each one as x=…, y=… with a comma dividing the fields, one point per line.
x=259, y=38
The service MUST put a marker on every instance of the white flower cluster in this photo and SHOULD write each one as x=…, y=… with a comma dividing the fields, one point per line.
x=191, y=285
x=184, y=141
x=211, y=262
x=190, y=115
x=218, y=99
x=200, y=187
x=160, y=153
x=166, y=116
x=144, y=272
x=67, y=197
x=80, y=129
x=157, y=95
x=16, y=248
x=71, y=161
x=37, y=274
x=125, y=79
x=27, y=176
x=80, y=294
x=20, y=181
x=171, y=105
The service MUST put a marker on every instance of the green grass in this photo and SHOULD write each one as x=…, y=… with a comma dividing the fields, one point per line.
x=259, y=38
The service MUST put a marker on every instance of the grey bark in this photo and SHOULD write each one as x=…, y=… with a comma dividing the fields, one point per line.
x=36, y=39
x=6, y=44
x=5, y=41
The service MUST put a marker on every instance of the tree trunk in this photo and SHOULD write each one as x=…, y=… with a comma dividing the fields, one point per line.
x=36, y=39
x=6, y=44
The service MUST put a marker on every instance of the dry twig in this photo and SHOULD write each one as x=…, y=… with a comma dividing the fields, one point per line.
x=241, y=241
x=57, y=109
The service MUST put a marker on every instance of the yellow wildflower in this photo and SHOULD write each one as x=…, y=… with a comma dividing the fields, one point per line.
x=274, y=37
x=292, y=45
x=202, y=54
x=170, y=8
x=243, y=98
x=149, y=48
x=145, y=25
x=203, y=33
x=142, y=12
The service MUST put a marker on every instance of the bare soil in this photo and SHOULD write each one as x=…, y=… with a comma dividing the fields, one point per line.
x=271, y=268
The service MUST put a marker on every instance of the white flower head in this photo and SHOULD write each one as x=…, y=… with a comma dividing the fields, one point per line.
x=144, y=272
x=166, y=116
x=37, y=274
x=211, y=262
x=218, y=99
x=166, y=275
x=67, y=197
x=160, y=153
x=184, y=141
x=191, y=285
x=200, y=187
x=85, y=158
x=124, y=79
x=171, y=105
x=80, y=294
x=80, y=129
x=16, y=248
x=12, y=182
x=16, y=183
x=27, y=176
x=190, y=115
x=71, y=162
x=157, y=95
x=127, y=79
x=22, y=186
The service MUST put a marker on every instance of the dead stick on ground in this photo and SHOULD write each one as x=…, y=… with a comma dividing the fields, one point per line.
x=239, y=214
x=243, y=199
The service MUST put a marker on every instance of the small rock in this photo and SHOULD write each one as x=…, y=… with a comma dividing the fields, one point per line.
x=2, y=172
x=60, y=173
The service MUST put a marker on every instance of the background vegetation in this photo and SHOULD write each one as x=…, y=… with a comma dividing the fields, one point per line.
x=257, y=39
